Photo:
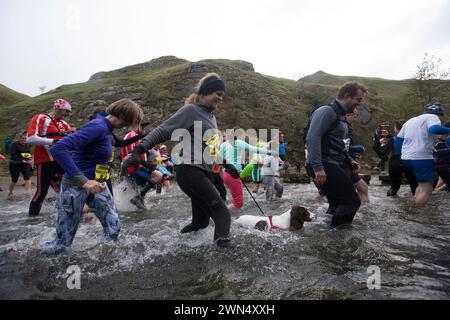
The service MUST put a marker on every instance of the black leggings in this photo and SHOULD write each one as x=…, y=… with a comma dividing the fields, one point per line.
x=396, y=170
x=340, y=192
x=48, y=174
x=218, y=183
x=205, y=199
x=444, y=173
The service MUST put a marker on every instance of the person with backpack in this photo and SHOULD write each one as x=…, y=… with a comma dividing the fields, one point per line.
x=44, y=130
x=328, y=162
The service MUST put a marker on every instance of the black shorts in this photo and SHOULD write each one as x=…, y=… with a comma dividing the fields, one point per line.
x=355, y=177
x=16, y=168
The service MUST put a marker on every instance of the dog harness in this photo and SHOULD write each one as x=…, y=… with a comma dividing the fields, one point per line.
x=274, y=227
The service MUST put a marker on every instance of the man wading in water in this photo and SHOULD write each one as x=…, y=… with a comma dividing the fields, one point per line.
x=328, y=162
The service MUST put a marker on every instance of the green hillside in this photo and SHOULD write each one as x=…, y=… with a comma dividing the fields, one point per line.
x=253, y=100
x=9, y=96
x=379, y=86
x=160, y=86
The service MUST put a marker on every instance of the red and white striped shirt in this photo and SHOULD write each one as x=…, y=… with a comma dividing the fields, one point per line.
x=41, y=133
x=126, y=150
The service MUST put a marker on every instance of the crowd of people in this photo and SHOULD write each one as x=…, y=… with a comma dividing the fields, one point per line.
x=79, y=164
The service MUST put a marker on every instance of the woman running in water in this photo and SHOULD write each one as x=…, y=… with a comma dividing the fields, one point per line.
x=84, y=157
x=199, y=153
x=233, y=152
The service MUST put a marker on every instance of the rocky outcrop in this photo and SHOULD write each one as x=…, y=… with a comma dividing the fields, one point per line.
x=98, y=75
x=165, y=61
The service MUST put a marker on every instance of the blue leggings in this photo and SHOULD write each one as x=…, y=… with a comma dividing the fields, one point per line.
x=70, y=207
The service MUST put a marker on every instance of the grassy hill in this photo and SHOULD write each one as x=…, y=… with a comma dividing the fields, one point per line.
x=253, y=100
x=9, y=96
x=387, y=97
x=160, y=86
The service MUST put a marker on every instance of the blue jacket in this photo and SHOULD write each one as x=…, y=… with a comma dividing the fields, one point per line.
x=79, y=153
x=282, y=149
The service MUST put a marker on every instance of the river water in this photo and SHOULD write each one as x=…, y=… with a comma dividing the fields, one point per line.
x=152, y=260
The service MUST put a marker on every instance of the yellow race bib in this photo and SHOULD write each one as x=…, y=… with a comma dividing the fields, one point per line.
x=101, y=173
x=214, y=144
x=26, y=155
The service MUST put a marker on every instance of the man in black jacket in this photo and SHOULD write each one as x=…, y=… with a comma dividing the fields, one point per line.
x=328, y=162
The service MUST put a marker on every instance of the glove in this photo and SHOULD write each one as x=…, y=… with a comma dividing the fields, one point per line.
x=150, y=166
x=355, y=166
x=132, y=159
x=231, y=170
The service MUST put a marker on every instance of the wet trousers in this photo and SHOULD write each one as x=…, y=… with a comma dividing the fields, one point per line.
x=70, y=207
x=48, y=174
x=272, y=184
x=205, y=199
x=340, y=192
x=236, y=189
x=396, y=169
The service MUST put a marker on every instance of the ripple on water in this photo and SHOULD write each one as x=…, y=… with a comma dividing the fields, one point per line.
x=153, y=260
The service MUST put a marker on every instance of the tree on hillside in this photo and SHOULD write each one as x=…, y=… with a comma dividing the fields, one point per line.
x=426, y=82
x=42, y=89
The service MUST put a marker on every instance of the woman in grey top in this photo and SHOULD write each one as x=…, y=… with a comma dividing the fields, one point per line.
x=196, y=124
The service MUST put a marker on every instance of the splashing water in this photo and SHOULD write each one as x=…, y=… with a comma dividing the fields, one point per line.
x=152, y=260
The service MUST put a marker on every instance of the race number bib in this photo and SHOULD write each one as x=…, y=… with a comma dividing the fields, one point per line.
x=158, y=161
x=26, y=155
x=214, y=144
x=101, y=173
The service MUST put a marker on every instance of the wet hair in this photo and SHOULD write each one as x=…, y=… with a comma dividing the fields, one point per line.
x=128, y=111
x=195, y=96
x=350, y=89
x=298, y=216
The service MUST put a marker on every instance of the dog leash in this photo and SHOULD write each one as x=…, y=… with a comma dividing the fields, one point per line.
x=253, y=199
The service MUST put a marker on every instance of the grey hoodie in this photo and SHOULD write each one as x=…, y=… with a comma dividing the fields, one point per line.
x=203, y=145
x=329, y=148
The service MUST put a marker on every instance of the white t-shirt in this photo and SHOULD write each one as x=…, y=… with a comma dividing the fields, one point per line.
x=271, y=166
x=418, y=143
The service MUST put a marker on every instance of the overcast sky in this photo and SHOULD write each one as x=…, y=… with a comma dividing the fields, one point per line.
x=56, y=42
